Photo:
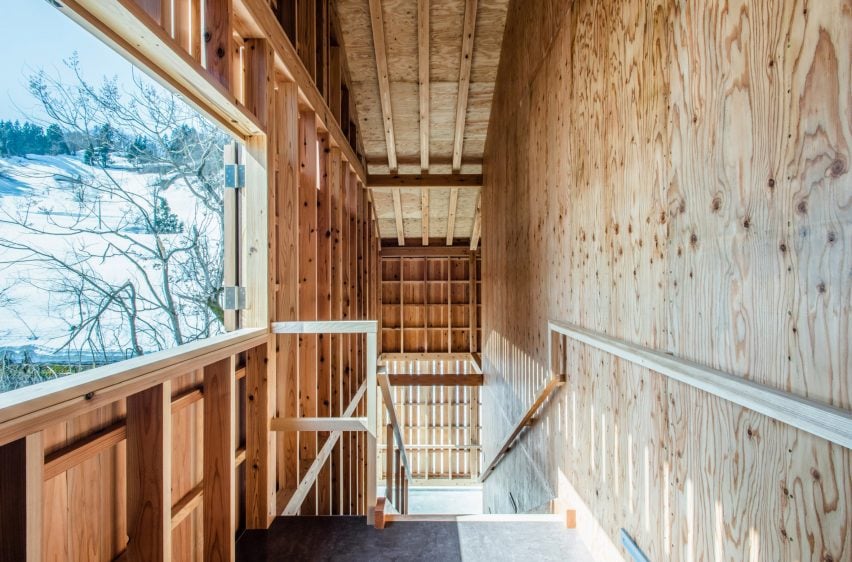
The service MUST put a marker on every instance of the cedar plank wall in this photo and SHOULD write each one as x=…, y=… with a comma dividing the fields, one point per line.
x=674, y=174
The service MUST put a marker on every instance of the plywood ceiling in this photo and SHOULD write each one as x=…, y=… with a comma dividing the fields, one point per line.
x=395, y=23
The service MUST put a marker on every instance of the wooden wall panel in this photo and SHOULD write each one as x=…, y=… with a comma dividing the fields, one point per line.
x=677, y=176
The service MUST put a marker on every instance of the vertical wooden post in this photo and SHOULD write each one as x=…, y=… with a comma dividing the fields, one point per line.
x=260, y=277
x=397, y=493
x=324, y=313
x=21, y=503
x=219, y=446
x=218, y=29
x=404, y=492
x=260, y=441
x=287, y=266
x=308, y=183
x=372, y=421
x=335, y=169
x=149, y=473
x=348, y=383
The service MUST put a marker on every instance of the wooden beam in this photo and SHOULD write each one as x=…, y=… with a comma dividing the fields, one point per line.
x=219, y=446
x=378, y=26
x=423, y=73
x=526, y=421
x=61, y=460
x=451, y=216
x=187, y=504
x=308, y=481
x=425, y=251
x=397, y=215
x=424, y=181
x=124, y=26
x=477, y=225
x=424, y=211
x=465, y=379
x=464, y=81
x=319, y=424
x=218, y=26
x=149, y=473
x=293, y=69
x=22, y=505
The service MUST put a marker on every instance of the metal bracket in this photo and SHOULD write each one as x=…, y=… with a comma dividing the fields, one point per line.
x=235, y=176
x=234, y=298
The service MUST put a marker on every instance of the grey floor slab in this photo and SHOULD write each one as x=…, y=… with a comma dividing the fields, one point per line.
x=350, y=539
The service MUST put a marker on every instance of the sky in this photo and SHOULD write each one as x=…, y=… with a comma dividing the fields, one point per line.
x=37, y=36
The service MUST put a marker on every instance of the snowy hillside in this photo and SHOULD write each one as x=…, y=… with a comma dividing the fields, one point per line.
x=53, y=221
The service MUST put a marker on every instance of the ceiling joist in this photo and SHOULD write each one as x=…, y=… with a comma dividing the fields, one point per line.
x=377, y=22
x=397, y=215
x=424, y=212
x=423, y=70
x=451, y=217
x=477, y=225
x=464, y=81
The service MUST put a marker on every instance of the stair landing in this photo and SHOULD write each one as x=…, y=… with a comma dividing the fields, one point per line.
x=463, y=538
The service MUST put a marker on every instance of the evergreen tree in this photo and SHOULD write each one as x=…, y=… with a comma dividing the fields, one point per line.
x=55, y=139
x=105, y=140
x=165, y=221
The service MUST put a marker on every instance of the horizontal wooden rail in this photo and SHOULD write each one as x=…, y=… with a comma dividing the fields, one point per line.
x=822, y=420
x=526, y=421
x=465, y=379
x=319, y=424
x=326, y=327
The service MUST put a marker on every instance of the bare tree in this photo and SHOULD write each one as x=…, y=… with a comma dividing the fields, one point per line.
x=139, y=279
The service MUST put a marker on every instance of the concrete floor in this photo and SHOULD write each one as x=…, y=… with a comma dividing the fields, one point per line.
x=463, y=500
x=350, y=539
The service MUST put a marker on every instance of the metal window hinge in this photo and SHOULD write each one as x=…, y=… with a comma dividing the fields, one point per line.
x=234, y=298
x=235, y=176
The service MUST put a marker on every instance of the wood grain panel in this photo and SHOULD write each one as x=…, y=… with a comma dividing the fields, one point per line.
x=676, y=176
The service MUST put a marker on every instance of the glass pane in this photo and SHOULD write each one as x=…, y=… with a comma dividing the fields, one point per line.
x=111, y=206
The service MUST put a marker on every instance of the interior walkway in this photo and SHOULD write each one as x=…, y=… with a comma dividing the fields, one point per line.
x=467, y=539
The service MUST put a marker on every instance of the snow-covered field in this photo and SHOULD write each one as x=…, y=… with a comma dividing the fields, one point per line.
x=33, y=316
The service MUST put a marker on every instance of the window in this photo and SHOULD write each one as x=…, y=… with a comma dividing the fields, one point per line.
x=111, y=206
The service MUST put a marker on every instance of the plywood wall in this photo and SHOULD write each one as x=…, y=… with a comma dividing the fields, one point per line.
x=675, y=174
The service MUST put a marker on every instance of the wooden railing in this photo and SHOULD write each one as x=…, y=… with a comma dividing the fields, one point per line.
x=527, y=420
x=822, y=420
x=344, y=423
x=134, y=402
x=398, y=470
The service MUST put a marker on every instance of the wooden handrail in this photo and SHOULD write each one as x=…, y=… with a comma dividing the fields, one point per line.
x=527, y=420
x=30, y=409
x=370, y=328
x=822, y=420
